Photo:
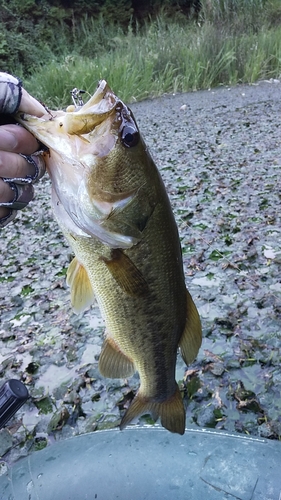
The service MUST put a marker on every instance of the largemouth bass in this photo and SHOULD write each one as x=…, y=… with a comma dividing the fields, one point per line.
x=112, y=206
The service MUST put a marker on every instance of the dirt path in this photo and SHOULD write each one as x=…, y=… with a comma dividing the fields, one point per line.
x=219, y=153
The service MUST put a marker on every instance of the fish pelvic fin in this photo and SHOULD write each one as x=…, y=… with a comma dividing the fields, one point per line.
x=125, y=273
x=191, y=338
x=81, y=291
x=171, y=411
x=113, y=363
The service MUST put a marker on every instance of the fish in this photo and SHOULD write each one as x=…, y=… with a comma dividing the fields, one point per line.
x=111, y=204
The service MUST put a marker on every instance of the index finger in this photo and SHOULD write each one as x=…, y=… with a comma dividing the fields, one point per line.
x=17, y=139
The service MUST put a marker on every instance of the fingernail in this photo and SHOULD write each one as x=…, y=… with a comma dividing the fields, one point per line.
x=30, y=105
x=8, y=140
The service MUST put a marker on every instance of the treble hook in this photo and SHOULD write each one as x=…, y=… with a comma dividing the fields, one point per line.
x=76, y=97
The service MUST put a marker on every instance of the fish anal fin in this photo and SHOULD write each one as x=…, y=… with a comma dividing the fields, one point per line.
x=82, y=295
x=113, y=363
x=170, y=411
x=191, y=338
x=125, y=273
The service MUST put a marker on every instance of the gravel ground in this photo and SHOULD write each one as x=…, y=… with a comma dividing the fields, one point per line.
x=219, y=152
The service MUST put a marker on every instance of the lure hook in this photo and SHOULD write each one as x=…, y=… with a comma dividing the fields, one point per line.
x=76, y=97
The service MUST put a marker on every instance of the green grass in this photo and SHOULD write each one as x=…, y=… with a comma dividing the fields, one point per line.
x=229, y=45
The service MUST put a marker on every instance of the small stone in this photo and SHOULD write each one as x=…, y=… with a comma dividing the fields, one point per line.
x=206, y=417
x=58, y=420
x=3, y=468
x=6, y=441
x=216, y=368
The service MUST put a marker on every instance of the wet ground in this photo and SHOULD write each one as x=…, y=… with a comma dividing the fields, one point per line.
x=219, y=153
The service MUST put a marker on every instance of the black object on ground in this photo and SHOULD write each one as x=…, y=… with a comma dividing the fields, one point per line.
x=13, y=394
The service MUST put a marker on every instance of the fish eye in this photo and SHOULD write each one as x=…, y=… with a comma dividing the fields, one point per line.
x=130, y=136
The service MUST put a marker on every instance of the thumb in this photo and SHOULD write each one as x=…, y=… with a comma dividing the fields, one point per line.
x=30, y=105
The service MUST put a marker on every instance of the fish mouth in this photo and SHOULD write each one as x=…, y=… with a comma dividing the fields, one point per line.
x=78, y=122
x=103, y=96
x=84, y=119
x=102, y=105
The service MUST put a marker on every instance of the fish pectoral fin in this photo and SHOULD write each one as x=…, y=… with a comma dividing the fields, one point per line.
x=113, y=363
x=171, y=411
x=125, y=273
x=191, y=338
x=82, y=295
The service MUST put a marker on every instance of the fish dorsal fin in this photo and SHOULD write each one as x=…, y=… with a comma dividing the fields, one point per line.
x=113, y=363
x=191, y=338
x=171, y=411
x=82, y=295
x=127, y=275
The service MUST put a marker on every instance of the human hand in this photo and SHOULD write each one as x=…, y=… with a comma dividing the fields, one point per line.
x=21, y=164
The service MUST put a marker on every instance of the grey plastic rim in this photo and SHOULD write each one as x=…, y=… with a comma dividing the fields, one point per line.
x=143, y=463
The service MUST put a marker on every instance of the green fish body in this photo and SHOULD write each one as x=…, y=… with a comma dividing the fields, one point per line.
x=112, y=206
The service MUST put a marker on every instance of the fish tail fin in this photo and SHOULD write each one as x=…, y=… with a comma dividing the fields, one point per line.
x=171, y=411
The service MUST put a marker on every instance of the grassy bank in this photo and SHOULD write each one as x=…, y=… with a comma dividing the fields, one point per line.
x=233, y=41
